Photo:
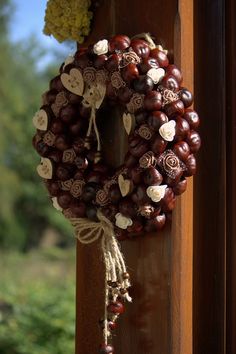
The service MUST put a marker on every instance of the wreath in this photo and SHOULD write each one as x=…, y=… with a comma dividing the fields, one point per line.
x=138, y=196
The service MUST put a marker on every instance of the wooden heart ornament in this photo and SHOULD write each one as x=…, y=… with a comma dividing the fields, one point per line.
x=40, y=120
x=139, y=195
x=73, y=81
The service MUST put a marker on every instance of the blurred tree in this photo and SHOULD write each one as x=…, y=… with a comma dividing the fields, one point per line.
x=25, y=210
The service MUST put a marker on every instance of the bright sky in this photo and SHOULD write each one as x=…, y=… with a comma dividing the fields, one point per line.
x=28, y=19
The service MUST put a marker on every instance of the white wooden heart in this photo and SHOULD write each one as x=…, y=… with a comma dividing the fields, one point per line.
x=125, y=185
x=40, y=120
x=73, y=81
x=45, y=168
x=156, y=74
x=128, y=121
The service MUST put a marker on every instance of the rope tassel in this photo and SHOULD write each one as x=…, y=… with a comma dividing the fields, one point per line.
x=116, y=276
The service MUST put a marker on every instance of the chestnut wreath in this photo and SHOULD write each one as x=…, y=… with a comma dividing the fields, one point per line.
x=137, y=76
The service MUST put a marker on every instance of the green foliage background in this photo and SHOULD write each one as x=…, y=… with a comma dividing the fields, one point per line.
x=37, y=292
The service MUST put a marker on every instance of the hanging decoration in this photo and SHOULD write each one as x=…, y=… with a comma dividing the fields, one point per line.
x=68, y=19
x=102, y=203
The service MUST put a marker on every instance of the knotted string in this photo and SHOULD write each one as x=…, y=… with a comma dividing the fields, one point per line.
x=87, y=232
x=93, y=124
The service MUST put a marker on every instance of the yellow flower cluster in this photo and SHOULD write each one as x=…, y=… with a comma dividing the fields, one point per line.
x=68, y=19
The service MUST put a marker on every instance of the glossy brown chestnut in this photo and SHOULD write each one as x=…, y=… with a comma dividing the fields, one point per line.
x=82, y=60
x=89, y=192
x=51, y=96
x=143, y=84
x=116, y=307
x=138, y=147
x=174, y=71
x=156, y=223
x=147, y=64
x=186, y=97
x=152, y=176
x=124, y=94
x=141, y=117
x=112, y=63
x=57, y=126
x=136, y=174
x=130, y=160
x=77, y=127
x=158, y=144
x=136, y=228
x=192, y=118
x=110, y=212
x=56, y=84
x=160, y=56
x=168, y=202
x=62, y=172
x=194, y=141
x=78, y=145
x=182, y=150
x=114, y=194
x=139, y=195
x=119, y=42
x=130, y=72
x=81, y=163
x=68, y=113
x=127, y=207
x=55, y=155
x=42, y=148
x=156, y=119
x=170, y=82
x=182, y=128
x=191, y=166
x=106, y=349
x=91, y=213
x=78, y=209
x=153, y=101
x=99, y=61
x=61, y=143
x=140, y=47
x=64, y=199
x=53, y=188
x=95, y=177
x=74, y=99
x=180, y=187
x=174, y=108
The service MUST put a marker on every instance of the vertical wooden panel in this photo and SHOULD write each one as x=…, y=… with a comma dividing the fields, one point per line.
x=159, y=320
x=209, y=214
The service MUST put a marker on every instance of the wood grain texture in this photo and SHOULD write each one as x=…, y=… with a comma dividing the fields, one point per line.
x=209, y=216
x=159, y=320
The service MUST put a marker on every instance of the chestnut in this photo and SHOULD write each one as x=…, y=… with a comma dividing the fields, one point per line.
x=130, y=160
x=182, y=150
x=160, y=56
x=127, y=207
x=191, y=166
x=136, y=228
x=64, y=199
x=63, y=172
x=152, y=176
x=91, y=213
x=68, y=113
x=181, y=129
x=174, y=108
x=78, y=209
x=106, y=349
x=180, y=187
x=186, y=97
x=130, y=72
x=82, y=60
x=147, y=64
x=192, y=118
x=139, y=195
x=56, y=84
x=174, y=71
x=51, y=96
x=55, y=155
x=158, y=144
x=115, y=194
x=138, y=146
x=110, y=211
x=89, y=192
x=119, y=42
x=57, y=126
x=156, y=223
x=170, y=82
x=140, y=117
x=77, y=127
x=81, y=162
x=136, y=174
x=42, y=148
x=194, y=141
x=153, y=101
x=140, y=47
x=156, y=119
x=112, y=63
x=61, y=143
x=168, y=202
x=53, y=188
x=99, y=61
x=124, y=94
x=143, y=84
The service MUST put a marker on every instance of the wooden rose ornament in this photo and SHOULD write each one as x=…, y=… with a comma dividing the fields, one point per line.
x=114, y=204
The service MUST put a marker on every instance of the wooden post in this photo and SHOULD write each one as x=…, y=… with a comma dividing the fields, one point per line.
x=160, y=318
